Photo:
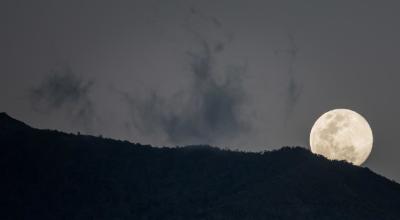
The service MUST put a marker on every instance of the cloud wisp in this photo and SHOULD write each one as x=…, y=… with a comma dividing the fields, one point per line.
x=293, y=88
x=63, y=90
x=208, y=111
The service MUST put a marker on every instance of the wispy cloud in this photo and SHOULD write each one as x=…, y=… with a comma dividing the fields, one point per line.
x=208, y=111
x=293, y=88
x=63, y=90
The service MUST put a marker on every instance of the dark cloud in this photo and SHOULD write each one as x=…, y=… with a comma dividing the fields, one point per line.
x=293, y=88
x=209, y=110
x=63, y=90
x=196, y=21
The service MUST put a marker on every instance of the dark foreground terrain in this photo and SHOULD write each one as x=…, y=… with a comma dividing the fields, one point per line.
x=52, y=175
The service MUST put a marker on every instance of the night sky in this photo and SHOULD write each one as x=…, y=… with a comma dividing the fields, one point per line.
x=248, y=75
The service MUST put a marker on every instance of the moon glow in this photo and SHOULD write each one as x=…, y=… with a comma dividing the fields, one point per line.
x=342, y=134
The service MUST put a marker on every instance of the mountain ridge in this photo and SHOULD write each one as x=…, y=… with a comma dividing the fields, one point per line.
x=8, y=123
x=53, y=175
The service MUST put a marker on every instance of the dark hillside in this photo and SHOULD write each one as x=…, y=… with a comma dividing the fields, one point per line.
x=52, y=175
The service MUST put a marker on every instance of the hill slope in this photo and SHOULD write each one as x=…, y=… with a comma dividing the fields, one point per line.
x=52, y=175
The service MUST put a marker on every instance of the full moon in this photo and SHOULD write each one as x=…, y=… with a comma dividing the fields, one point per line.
x=342, y=134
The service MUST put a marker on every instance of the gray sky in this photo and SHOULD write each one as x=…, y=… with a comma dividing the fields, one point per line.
x=253, y=75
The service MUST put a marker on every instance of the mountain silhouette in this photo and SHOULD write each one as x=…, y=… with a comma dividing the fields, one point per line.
x=48, y=174
x=9, y=124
